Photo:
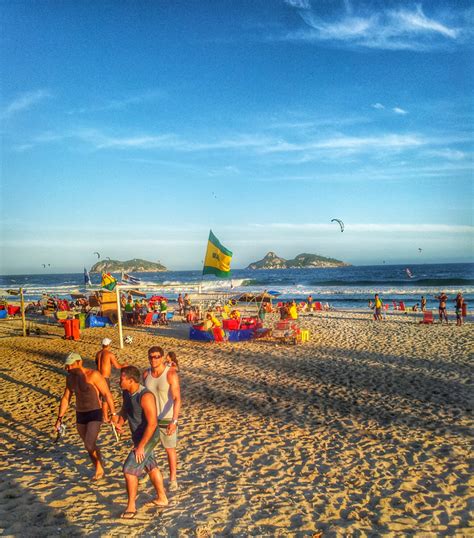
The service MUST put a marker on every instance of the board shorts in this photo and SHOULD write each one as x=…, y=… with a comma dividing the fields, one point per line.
x=167, y=441
x=131, y=466
x=378, y=311
x=84, y=417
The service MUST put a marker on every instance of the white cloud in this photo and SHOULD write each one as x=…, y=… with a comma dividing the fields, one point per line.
x=25, y=101
x=399, y=110
x=378, y=106
x=298, y=4
x=121, y=103
x=402, y=29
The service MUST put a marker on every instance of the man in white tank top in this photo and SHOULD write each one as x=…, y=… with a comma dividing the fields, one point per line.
x=162, y=380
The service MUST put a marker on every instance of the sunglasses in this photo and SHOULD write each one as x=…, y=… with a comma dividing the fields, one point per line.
x=154, y=357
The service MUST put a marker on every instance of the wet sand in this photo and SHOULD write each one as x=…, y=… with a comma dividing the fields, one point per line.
x=364, y=430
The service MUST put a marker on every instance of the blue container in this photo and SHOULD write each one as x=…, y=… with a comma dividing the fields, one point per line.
x=98, y=321
x=201, y=336
x=3, y=314
x=240, y=336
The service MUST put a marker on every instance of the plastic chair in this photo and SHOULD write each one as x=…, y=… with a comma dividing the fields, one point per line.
x=427, y=317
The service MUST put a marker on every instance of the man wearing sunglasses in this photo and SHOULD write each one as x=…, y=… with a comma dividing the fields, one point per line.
x=162, y=380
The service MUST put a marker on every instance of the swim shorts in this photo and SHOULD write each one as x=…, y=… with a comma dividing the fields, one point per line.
x=84, y=417
x=131, y=466
x=168, y=441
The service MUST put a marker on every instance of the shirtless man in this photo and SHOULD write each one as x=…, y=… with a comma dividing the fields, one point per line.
x=442, y=298
x=162, y=380
x=87, y=385
x=104, y=360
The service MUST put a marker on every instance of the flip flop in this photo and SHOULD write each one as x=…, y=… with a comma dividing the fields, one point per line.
x=128, y=515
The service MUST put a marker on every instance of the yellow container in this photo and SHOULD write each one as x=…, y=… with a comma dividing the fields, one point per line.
x=304, y=335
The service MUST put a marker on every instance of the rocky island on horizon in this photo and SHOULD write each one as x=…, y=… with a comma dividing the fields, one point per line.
x=304, y=260
x=130, y=266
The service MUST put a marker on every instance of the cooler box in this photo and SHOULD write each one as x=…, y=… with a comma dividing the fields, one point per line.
x=82, y=320
x=97, y=321
x=3, y=314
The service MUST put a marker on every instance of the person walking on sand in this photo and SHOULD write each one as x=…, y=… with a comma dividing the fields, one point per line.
x=162, y=380
x=378, y=305
x=104, y=360
x=459, y=302
x=87, y=386
x=139, y=409
x=442, y=309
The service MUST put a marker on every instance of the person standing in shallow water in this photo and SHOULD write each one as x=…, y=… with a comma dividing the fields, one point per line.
x=87, y=386
x=442, y=308
x=378, y=305
x=459, y=302
x=423, y=303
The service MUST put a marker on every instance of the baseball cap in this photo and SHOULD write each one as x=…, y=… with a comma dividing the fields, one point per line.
x=106, y=342
x=72, y=358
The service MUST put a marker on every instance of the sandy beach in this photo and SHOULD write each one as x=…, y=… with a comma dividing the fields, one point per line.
x=363, y=431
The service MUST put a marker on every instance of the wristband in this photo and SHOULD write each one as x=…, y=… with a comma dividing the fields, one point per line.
x=174, y=421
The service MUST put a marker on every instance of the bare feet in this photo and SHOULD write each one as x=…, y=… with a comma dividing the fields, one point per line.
x=98, y=475
x=159, y=501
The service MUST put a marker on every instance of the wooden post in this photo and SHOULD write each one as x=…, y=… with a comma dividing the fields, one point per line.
x=119, y=314
x=22, y=307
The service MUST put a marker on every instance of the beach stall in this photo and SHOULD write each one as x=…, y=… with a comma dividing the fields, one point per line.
x=12, y=310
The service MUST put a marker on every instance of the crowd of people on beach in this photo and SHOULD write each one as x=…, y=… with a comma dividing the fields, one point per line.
x=151, y=403
x=460, y=304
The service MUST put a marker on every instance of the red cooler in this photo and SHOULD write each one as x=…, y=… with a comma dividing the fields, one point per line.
x=75, y=332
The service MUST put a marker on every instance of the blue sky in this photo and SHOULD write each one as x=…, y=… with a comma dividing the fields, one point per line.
x=132, y=128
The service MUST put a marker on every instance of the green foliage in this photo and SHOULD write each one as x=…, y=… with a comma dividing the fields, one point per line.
x=130, y=266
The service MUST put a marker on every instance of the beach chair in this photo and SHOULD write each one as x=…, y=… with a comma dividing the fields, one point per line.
x=401, y=306
x=427, y=317
x=285, y=330
x=395, y=305
x=318, y=306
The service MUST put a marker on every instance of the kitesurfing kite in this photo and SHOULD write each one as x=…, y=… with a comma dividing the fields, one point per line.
x=420, y=250
x=98, y=255
x=409, y=273
x=341, y=224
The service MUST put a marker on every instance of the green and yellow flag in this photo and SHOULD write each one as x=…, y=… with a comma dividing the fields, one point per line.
x=217, y=260
x=108, y=281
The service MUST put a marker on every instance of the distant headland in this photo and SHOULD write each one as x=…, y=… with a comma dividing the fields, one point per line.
x=130, y=266
x=272, y=261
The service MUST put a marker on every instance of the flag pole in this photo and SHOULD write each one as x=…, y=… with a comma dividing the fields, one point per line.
x=23, y=319
x=119, y=314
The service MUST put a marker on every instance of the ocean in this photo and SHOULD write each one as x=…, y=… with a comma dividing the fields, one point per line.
x=343, y=287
